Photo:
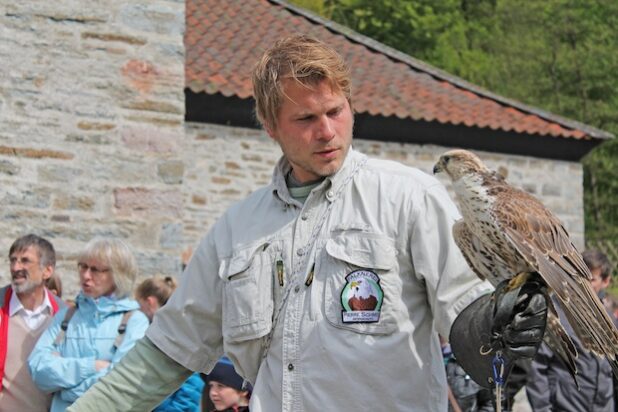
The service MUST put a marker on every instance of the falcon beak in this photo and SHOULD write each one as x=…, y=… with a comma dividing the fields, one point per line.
x=439, y=167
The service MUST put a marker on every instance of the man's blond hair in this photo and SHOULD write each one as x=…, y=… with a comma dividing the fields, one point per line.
x=302, y=58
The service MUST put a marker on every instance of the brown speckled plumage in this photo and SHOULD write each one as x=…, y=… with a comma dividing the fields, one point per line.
x=506, y=231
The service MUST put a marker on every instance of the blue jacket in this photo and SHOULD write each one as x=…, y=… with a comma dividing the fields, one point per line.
x=186, y=398
x=90, y=336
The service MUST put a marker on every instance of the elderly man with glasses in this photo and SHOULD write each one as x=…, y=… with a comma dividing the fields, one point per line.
x=27, y=308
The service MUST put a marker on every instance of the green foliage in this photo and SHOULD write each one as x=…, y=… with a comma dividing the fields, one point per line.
x=559, y=55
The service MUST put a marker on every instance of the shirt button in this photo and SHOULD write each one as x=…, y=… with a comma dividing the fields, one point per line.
x=330, y=194
x=296, y=289
x=290, y=367
x=299, y=251
x=304, y=217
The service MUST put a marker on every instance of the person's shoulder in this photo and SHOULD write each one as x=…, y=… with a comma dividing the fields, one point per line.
x=3, y=293
x=399, y=173
x=253, y=200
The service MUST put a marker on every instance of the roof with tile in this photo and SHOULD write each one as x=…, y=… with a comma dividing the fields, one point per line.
x=225, y=37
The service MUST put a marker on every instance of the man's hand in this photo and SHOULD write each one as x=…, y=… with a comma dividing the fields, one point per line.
x=520, y=317
x=510, y=323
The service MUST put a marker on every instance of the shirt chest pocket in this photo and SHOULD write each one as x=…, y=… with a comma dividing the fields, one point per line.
x=248, y=292
x=362, y=288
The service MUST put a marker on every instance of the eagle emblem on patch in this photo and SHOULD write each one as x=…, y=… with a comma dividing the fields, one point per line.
x=361, y=297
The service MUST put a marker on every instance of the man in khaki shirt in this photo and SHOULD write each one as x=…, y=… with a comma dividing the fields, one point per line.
x=326, y=287
x=27, y=308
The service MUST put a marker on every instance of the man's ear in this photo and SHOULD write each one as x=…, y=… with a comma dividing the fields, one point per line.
x=48, y=271
x=270, y=130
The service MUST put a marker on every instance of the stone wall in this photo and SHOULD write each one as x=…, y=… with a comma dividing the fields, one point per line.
x=91, y=126
x=93, y=140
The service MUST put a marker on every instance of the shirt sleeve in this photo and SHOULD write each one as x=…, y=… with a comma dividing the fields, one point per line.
x=188, y=328
x=142, y=379
x=451, y=284
x=52, y=372
x=136, y=327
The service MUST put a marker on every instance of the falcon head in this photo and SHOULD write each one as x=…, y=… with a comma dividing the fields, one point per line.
x=458, y=163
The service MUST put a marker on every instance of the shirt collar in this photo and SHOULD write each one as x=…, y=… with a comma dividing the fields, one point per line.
x=332, y=183
x=15, y=304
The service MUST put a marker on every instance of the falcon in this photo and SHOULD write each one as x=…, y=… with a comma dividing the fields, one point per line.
x=507, y=234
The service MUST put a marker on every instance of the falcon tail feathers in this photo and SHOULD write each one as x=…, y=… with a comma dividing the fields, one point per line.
x=559, y=341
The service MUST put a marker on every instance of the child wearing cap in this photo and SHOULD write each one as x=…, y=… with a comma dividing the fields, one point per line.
x=227, y=390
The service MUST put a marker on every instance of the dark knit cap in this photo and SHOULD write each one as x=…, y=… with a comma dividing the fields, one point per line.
x=225, y=374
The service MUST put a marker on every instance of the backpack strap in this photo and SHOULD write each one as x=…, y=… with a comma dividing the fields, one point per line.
x=64, y=325
x=122, y=329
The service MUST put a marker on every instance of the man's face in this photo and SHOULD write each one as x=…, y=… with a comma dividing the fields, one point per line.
x=27, y=273
x=597, y=283
x=314, y=129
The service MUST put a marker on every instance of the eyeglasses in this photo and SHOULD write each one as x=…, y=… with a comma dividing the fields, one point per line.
x=23, y=261
x=83, y=268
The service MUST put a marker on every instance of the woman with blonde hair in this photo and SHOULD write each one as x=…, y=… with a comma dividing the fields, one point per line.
x=84, y=342
x=151, y=294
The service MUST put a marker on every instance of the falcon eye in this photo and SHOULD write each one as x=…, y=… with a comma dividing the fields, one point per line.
x=446, y=158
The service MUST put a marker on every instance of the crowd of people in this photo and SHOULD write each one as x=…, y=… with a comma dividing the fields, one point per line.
x=54, y=350
x=325, y=290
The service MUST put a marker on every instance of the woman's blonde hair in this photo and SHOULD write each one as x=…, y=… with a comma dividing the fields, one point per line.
x=158, y=286
x=118, y=256
x=302, y=58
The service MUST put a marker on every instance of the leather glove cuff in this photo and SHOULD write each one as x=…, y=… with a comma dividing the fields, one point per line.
x=510, y=322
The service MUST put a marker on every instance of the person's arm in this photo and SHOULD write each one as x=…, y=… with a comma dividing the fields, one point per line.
x=496, y=330
x=136, y=327
x=186, y=398
x=537, y=385
x=139, y=382
x=451, y=285
x=49, y=370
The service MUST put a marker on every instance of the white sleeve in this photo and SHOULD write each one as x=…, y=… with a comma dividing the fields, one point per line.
x=188, y=328
x=451, y=284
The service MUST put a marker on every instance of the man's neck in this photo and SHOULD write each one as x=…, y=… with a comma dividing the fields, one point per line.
x=32, y=299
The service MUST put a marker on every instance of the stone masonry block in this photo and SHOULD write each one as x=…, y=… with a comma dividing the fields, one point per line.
x=145, y=202
x=9, y=168
x=172, y=171
x=171, y=235
x=149, y=139
x=140, y=74
x=34, y=153
x=155, y=18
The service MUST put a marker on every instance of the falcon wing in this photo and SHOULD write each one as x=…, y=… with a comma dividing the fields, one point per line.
x=485, y=263
x=543, y=242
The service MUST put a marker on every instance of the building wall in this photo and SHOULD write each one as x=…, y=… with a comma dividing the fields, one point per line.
x=91, y=127
x=93, y=140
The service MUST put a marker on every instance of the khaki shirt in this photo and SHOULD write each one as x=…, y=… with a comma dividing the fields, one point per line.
x=351, y=284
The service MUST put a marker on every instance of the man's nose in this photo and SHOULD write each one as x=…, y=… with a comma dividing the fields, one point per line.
x=326, y=129
x=17, y=265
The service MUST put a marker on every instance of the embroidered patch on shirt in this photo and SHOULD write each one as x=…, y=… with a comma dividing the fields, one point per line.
x=361, y=297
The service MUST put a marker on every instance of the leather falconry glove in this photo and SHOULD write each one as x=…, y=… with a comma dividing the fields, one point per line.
x=510, y=323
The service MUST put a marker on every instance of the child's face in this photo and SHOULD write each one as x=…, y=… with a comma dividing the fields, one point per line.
x=224, y=397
